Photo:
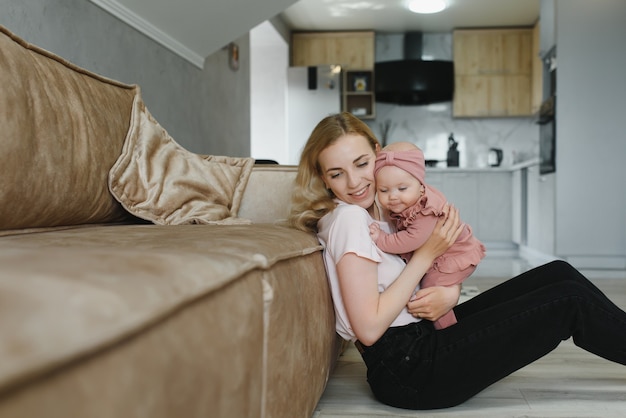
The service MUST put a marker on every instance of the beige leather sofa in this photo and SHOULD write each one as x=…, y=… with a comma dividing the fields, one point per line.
x=120, y=299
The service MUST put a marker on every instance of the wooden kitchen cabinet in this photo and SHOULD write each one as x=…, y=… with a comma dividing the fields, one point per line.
x=351, y=50
x=461, y=190
x=357, y=93
x=537, y=63
x=354, y=51
x=493, y=72
x=495, y=202
x=484, y=199
x=541, y=210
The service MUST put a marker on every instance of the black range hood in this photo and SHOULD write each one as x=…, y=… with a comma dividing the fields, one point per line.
x=413, y=81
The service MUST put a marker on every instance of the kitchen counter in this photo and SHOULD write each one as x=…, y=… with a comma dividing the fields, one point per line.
x=483, y=196
x=525, y=164
x=509, y=168
x=499, y=202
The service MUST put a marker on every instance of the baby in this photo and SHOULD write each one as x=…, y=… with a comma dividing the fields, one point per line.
x=415, y=208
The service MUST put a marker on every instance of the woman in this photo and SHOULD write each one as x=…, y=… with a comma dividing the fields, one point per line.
x=409, y=363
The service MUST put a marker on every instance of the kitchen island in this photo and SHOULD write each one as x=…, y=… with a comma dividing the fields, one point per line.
x=489, y=199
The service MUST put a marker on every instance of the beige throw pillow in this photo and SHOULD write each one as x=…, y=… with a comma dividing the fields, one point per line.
x=158, y=180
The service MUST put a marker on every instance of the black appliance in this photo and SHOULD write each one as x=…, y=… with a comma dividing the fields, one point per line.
x=453, y=152
x=547, y=136
x=413, y=81
x=495, y=157
x=547, y=117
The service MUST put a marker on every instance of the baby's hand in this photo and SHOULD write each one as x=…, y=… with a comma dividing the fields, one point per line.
x=374, y=231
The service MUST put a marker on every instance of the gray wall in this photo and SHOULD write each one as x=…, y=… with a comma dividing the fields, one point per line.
x=591, y=139
x=205, y=110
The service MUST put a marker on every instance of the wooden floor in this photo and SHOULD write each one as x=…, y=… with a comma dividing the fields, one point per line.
x=568, y=383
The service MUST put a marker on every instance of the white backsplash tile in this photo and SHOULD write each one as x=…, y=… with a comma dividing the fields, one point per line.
x=429, y=126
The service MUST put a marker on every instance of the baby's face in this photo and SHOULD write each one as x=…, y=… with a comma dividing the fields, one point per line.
x=397, y=189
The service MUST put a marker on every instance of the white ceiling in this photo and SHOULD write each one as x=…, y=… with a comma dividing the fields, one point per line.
x=393, y=16
x=195, y=29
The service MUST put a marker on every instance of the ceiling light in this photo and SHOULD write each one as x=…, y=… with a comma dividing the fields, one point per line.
x=426, y=6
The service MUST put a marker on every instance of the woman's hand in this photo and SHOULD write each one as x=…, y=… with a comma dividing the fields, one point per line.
x=446, y=232
x=432, y=303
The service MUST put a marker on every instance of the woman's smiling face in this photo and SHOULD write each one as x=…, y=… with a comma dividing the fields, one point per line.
x=348, y=170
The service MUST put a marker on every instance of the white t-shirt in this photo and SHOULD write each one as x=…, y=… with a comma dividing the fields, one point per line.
x=346, y=230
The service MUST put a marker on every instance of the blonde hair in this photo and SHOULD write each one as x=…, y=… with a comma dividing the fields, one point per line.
x=310, y=200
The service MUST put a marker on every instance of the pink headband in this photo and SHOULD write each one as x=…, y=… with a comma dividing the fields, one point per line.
x=411, y=161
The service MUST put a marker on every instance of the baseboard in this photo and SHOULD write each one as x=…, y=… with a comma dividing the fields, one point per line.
x=535, y=257
x=593, y=262
x=501, y=249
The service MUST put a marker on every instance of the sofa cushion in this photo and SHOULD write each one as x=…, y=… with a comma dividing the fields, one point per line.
x=62, y=128
x=158, y=180
x=167, y=307
x=260, y=206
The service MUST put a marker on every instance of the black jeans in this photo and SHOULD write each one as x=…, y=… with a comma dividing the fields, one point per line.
x=498, y=332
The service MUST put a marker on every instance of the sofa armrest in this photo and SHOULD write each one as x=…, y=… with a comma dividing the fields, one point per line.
x=268, y=193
